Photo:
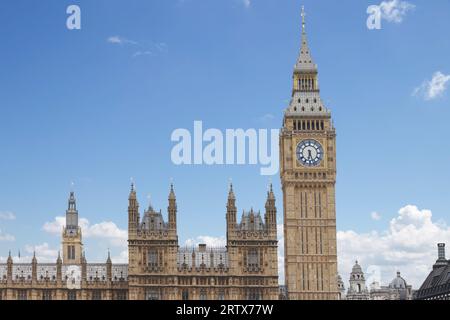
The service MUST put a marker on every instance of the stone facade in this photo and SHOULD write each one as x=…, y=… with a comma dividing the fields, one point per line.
x=245, y=269
x=158, y=267
x=308, y=177
x=398, y=289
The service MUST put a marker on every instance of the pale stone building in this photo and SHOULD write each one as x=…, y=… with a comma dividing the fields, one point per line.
x=245, y=269
x=308, y=177
x=70, y=278
x=398, y=289
x=158, y=268
x=357, y=289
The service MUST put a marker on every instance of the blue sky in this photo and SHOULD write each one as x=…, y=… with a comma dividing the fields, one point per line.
x=77, y=107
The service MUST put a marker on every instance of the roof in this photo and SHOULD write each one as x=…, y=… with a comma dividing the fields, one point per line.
x=437, y=282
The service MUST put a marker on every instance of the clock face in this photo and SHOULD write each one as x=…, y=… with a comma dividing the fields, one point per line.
x=309, y=153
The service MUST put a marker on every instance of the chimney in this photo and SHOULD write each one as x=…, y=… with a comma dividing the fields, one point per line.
x=441, y=251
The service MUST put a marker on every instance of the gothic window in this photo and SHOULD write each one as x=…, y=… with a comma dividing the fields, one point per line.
x=153, y=258
x=96, y=295
x=253, y=259
x=185, y=294
x=47, y=295
x=359, y=288
x=221, y=295
x=120, y=295
x=22, y=295
x=71, y=295
x=203, y=295
x=153, y=294
x=254, y=294
x=71, y=252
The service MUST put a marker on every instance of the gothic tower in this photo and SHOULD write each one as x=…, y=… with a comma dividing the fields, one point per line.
x=308, y=176
x=71, y=236
x=152, y=251
x=252, y=251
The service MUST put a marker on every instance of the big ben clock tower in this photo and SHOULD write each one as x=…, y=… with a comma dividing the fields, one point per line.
x=308, y=177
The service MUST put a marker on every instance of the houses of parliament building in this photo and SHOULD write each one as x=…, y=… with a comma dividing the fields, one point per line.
x=247, y=267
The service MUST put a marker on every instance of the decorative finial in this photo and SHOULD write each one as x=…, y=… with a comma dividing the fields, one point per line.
x=132, y=184
x=303, y=19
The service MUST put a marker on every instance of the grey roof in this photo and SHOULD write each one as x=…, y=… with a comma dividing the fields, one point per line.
x=437, y=282
x=202, y=257
x=251, y=221
x=357, y=268
x=153, y=221
x=398, y=282
x=305, y=61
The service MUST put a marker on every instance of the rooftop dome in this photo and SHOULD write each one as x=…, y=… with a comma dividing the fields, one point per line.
x=357, y=268
x=398, y=282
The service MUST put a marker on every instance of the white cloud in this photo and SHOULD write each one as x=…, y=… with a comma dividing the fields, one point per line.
x=142, y=53
x=120, y=40
x=121, y=258
x=43, y=252
x=375, y=216
x=6, y=236
x=395, y=10
x=407, y=245
x=7, y=215
x=266, y=118
x=434, y=88
x=208, y=240
x=247, y=3
x=104, y=230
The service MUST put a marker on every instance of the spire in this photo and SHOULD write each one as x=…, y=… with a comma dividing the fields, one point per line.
x=172, y=192
x=34, y=260
x=132, y=192
x=58, y=260
x=231, y=195
x=270, y=194
x=305, y=61
x=9, y=257
x=109, y=257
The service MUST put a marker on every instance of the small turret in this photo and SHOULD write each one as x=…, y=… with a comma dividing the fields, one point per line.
x=172, y=209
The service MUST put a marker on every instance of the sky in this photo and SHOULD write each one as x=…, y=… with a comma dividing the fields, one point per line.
x=90, y=109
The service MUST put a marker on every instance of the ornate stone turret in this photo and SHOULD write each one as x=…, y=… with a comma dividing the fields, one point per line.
x=83, y=268
x=270, y=216
x=231, y=211
x=9, y=263
x=358, y=289
x=109, y=267
x=71, y=236
x=59, y=269
x=133, y=213
x=172, y=209
x=34, y=268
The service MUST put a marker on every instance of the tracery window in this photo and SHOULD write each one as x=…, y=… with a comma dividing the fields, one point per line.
x=72, y=295
x=47, y=295
x=153, y=258
x=22, y=295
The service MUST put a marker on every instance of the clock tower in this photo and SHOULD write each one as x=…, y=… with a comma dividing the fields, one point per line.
x=308, y=177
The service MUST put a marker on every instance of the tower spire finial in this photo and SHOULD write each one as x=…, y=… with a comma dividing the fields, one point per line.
x=303, y=19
